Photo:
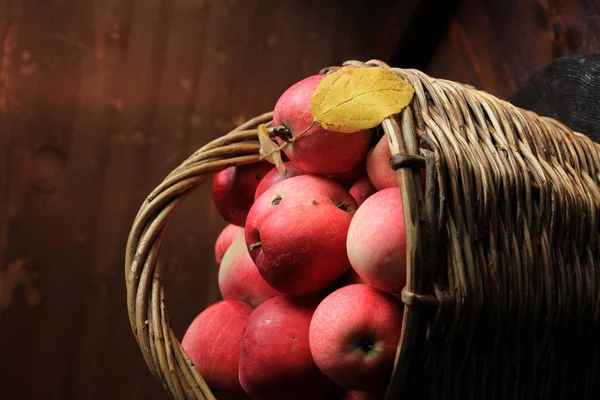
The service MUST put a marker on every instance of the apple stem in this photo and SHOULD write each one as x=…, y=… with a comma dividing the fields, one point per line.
x=282, y=132
x=342, y=206
x=254, y=245
x=285, y=134
x=365, y=345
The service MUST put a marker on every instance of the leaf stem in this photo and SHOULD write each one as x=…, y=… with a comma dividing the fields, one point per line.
x=303, y=132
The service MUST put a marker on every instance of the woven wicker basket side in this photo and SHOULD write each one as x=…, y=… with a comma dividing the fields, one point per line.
x=503, y=284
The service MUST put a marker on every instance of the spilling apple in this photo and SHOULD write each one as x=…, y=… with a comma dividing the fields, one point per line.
x=321, y=151
x=274, y=177
x=275, y=357
x=311, y=262
x=212, y=342
x=239, y=278
x=233, y=190
x=353, y=336
x=225, y=239
x=296, y=233
x=376, y=241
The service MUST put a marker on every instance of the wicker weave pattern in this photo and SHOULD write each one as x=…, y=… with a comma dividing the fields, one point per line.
x=503, y=284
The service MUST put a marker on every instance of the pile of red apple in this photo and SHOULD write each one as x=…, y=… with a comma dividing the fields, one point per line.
x=311, y=266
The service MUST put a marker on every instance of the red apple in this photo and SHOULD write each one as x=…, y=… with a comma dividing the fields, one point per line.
x=351, y=175
x=379, y=170
x=296, y=233
x=376, y=241
x=348, y=178
x=225, y=238
x=239, y=278
x=353, y=336
x=318, y=151
x=274, y=177
x=212, y=341
x=275, y=358
x=233, y=190
x=362, y=189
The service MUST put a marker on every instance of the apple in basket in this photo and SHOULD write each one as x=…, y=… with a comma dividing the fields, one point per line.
x=379, y=170
x=239, y=278
x=296, y=233
x=377, y=241
x=353, y=336
x=275, y=358
x=318, y=151
x=362, y=189
x=347, y=179
x=225, y=239
x=233, y=190
x=274, y=177
x=212, y=341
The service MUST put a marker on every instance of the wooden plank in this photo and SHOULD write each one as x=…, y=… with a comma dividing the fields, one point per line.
x=170, y=96
x=35, y=207
x=129, y=138
x=6, y=78
x=96, y=134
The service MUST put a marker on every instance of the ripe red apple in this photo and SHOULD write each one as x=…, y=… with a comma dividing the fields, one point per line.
x=353, y=336
x=296, y=233
x=225, y=238
x=376, y=241
x=351, y=175
x=239, y=278
x=233, y=190
x=275, y=358
x=380, y=172
x=274, y=177
x=318, y=151
x=362, y=189
x=348, y=178
x=212, y=341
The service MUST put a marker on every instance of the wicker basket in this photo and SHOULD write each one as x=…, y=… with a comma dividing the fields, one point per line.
x=503, y=264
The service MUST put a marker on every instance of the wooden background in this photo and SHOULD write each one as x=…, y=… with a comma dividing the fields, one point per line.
x=100, y=99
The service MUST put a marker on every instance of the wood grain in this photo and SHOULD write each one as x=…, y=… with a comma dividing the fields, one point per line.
x=99, y=100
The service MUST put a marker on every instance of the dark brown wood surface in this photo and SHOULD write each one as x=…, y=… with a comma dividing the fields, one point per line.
x=99, y=100
x=496, y=45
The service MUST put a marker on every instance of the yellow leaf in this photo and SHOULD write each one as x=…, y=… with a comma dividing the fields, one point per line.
x=269, y=150
x=352, y=99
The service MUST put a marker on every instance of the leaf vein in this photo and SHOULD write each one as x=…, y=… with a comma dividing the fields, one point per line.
x=355, y=97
